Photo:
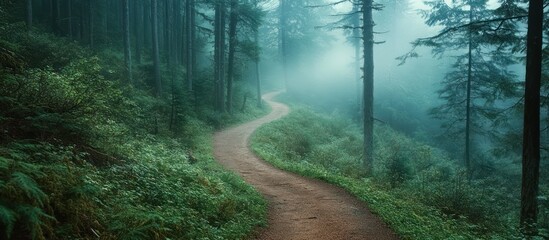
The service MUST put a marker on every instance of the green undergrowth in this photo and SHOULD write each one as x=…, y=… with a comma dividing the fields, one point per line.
x=416, y=189
x=85, y=156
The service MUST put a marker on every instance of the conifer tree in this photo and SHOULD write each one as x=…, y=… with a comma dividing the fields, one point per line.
x=479, y=77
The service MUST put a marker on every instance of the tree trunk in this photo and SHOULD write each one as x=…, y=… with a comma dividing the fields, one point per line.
x=138, y=22
x=29, y=14
x=55, y=16
x=146, y=24
x=167, y=33
x=156, y=54
x=176, y=35
x=90, y=27
x=531, y=133
x=189, y=34
x=220, y=55
x=233, y=21
x=127, y=47
x=468, y=99
x=284, y=41
x=257, y=78
x=69, y=18
x=356, y=41
x=368, y=78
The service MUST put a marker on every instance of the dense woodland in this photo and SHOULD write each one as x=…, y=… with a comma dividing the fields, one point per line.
x=107, y=109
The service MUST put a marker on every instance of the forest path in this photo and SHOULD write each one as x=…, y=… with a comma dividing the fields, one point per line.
x=299, y=208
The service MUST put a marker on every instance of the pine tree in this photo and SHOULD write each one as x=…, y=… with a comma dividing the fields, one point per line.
x=479, y=77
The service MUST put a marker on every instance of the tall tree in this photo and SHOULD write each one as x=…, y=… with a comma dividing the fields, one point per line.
x=189, y=48
x=531, y=132
x=356, y=44
x=257, y=73
x=233, y=22
x=91, y=36
x=69, y=18
x=55, y=16
x=29, y=14
x=155, y=50
x=127, y=47
x=219, y=30
x=138, y=22
x=368, y=81
x=479, y=77
x=283, y=38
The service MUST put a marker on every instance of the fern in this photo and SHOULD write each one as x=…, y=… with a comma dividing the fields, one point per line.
x=33, y=219
x=4, y=163
x=8, y=218
x=28, y=186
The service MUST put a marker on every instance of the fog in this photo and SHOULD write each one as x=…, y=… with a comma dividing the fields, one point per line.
x=326, y=78
x=322, y=71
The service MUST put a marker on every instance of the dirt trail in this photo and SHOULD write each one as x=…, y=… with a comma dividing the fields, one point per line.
x=299, y=208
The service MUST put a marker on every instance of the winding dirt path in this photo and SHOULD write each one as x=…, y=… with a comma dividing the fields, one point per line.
x=299, y=208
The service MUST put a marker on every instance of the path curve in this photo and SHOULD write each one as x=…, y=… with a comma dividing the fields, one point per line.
x=299, y=208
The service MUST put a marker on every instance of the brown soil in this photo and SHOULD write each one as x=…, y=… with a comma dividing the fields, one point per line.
x=299, y=207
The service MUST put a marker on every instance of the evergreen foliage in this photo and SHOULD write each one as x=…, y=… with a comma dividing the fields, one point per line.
x=416, y=188
x=84, y=155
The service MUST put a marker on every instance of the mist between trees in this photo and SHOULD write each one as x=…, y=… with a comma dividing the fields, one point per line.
x=95, y=84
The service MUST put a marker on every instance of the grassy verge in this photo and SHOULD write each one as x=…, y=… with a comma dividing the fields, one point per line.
x=414, y=188
x=83, y=155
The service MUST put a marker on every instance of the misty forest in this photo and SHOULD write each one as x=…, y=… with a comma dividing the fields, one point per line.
x=274, y=119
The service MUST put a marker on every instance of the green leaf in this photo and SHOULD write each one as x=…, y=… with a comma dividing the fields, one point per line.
x=4, y=163
x=33, y=219
x=7, y=217
x=29, y=186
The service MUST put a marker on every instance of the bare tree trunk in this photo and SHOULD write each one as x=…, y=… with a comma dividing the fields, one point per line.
x=29, y=14
x=69, y=18
x=156, y=54
x=138, y=22
x=90, y=27
x=468, y=100
x=176, y=32
x=127, y=47
x=189, y=48
x=55, y=16
x=356, y=41
x=233, y=22
x=368, y=41
x=531, y=133
x=220, y=55
x=284, y=41
x=167, y=33
x=147, y=24
x=257, y=78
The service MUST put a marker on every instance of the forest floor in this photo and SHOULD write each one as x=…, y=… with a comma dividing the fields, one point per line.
x=299, y=207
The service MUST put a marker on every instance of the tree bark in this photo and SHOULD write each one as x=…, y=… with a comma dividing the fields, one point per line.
x=167, y=33
x=90, y=27
x=356, y=42
x=284, y=41
x=69, y=18
x=55, y=16
x=156, y=54
x=220, y=55
x=368, y=81
x=147, y=24
x=468, y=98
x=138, y=22
x=189, y=35
x=531, y=132
x=233, y=22
x=127, y=47
x=257, y=78
x=29, y=14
